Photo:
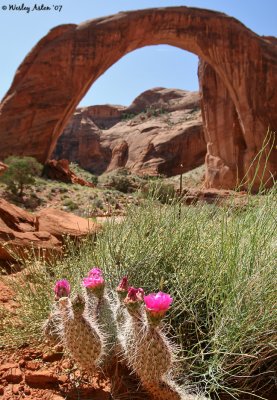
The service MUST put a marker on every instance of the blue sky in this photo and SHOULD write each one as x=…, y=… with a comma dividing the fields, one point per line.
x=140, y=70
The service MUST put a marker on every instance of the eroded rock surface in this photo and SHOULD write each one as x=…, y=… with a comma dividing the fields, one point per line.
x=22, y=232
x=59, y=70
x=159, y=133
x=59, y=170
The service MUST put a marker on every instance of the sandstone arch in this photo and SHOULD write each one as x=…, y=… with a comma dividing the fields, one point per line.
x=240, y=68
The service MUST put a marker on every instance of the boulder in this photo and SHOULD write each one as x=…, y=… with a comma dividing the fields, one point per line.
x=59, y=170
x=22, y=233
x=60, y=223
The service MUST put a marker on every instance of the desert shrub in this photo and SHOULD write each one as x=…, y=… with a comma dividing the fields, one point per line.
x=20, y=174
x=82, y=173
x=156, y=189
x=98, y=203
x=122, y=183
x=94, y=179
x=127, y=116
x=70, y=204
x=120, y=180
x=63, y=189
x=220, y=267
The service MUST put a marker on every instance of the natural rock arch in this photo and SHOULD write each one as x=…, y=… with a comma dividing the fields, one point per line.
x=238, y=73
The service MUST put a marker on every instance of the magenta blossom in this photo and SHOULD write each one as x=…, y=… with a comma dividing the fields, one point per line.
x=158, y=303
x=93, y=281
x=95, y=271
x=62, y=288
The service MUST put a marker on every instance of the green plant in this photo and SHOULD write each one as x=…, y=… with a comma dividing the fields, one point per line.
x=20, y=174
x=156, y=189
x=218, y=264
x=96, y=329
x=120, y=180
x=70, y=204
x=98, y=203
x=127, y=116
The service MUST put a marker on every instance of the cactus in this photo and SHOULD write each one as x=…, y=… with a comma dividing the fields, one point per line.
x=148, y=351
x=52, y=327
x=83, y=340
x=102, y=309
x=118, y=337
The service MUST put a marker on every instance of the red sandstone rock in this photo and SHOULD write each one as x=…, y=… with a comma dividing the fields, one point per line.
x=60, y=223
x=14, y=244
x=42, y=377
x=13, y=375
x=58, y=71
x=154, y=142
x=59, y=170
x=21, y=231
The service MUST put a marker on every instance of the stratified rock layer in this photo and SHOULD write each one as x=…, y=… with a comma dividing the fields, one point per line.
x=60, y=69
x=159, y=133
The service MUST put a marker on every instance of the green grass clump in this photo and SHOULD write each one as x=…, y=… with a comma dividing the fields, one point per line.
x=218, y=263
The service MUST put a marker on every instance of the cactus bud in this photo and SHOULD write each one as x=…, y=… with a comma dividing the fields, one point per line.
x=122, y=288
x=62, y=289
x=134, y=298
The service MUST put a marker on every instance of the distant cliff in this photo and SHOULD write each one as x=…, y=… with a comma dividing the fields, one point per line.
x=159, y=133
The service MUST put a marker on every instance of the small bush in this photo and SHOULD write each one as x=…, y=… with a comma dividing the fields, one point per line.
x=70, y=204
x=120, y=180
x=157, y=190
x=98, y=203
x=63, y=189
x=20, y=174
x=94, y=179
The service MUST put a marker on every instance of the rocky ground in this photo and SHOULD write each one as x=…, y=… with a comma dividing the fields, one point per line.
x=42, y=372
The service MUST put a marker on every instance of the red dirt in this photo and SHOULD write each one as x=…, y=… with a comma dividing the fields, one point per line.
x=41, y=373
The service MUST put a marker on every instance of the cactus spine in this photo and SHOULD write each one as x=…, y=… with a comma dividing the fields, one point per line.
x=118, y=337
x=81, y=338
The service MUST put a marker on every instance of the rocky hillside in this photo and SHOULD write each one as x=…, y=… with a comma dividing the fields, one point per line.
x=159, y=133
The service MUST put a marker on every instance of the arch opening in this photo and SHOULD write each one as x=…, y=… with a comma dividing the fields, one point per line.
x=157, y=130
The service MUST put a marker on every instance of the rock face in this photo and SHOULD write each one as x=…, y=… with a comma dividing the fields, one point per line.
x=21, y=231
x=159, y=133
x=59, y=70
x=60, y=171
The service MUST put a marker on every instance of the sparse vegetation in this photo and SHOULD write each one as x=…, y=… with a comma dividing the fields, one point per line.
x=20, y=174
x=217, y=263
x=156, y=189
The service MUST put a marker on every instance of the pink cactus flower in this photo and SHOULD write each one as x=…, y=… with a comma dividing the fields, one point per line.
x=93, y=281
x=95, y=271
x=158, y=303
x=62, y=288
